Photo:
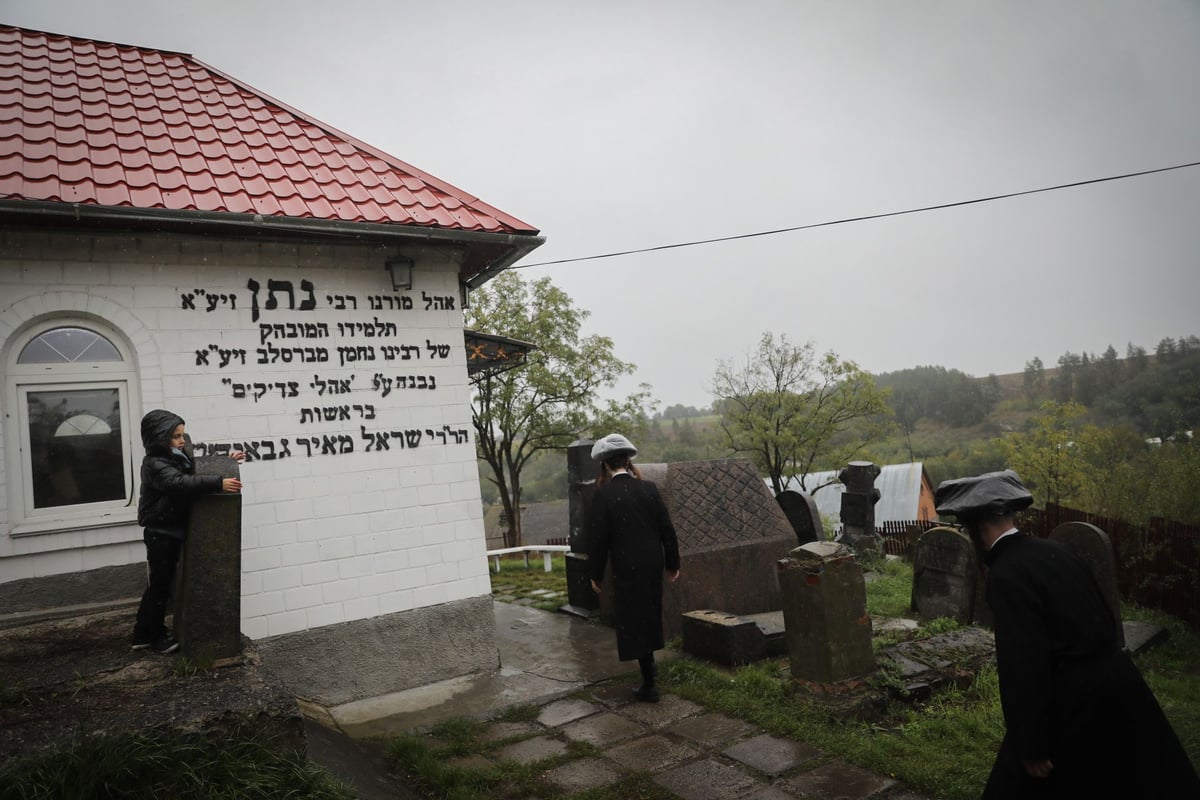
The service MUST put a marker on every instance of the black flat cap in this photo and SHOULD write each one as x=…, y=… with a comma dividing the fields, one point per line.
x=983, y=495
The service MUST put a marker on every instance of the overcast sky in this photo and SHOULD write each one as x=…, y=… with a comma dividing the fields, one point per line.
x=617, y=125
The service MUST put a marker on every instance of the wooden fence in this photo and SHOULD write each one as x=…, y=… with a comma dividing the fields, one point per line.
x=1158, y=564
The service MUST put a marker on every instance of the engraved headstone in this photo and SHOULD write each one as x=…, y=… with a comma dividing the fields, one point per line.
x=801, y=512
x=208, y=610
x=730, y=531
x=828, y=628
x=858, y=508
x=1093, y=546
x=581, y=479
x=945, y=572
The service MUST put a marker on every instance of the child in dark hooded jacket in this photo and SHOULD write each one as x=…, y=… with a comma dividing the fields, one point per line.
x=169, y=482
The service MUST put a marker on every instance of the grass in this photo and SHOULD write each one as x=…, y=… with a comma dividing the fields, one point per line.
x=520, y=583
x=246, y=765
x=943, y=748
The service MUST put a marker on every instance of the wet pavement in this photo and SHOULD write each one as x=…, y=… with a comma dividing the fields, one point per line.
x=567, y=666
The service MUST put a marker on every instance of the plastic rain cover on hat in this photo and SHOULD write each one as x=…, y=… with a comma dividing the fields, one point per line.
x=611, y=445
x=990, y=493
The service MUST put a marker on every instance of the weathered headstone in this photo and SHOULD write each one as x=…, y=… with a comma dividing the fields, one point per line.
x=825, y=614
x=945, y=573
x=801, y=512
x=1093, y=546
x=581, y=480
x=858, y=508
x=731, y=532
x=209, y=607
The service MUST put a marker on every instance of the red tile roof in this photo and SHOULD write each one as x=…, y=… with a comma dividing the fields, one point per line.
x=91, y=122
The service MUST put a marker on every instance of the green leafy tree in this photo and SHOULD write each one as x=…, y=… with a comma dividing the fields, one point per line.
x=552, y=399
x=786, y=404
x=1045, y=455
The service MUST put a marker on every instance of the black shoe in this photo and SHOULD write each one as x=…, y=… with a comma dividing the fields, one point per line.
x=647, y=694
x=165, y=645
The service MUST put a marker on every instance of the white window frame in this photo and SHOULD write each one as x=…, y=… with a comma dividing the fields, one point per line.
x=21, y=379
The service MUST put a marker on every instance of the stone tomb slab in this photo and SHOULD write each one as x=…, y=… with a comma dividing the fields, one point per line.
x=602, y=729
x=563, y=711
x=711, y=729
x=838, y=779
x=651, y=753
x=582, y=774
x=706, y=780
x=671, y=708
x=722, y=637
x=531, y=750
x=771, y=755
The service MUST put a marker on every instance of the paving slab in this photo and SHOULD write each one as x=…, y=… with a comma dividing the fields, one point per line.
x=615, y=695
x=651, y=753
x=531, y=750
x=770, y=754
x=498, y=731
x=563, y=711
x=772, y=793
x=670, y=708
x=583, y=774
x=839, y=780
x=711, y=729
x=602, y=729
x=707, y=780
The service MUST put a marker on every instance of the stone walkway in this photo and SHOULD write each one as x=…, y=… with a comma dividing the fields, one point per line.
x=692, y=753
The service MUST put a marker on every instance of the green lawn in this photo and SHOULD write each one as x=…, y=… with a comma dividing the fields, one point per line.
x=530, y=586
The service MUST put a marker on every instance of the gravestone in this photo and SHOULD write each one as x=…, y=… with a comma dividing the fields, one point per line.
x=730, y=639
x=802, y=514
x=1093, y=546
x=730, y=531
x=945, y=574
x=581, y=484
x=825, y=615
x=858, y=509
x=208, y=612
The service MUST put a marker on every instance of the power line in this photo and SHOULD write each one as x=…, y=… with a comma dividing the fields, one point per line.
x=860, y=219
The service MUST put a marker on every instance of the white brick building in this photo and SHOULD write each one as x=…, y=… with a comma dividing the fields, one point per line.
x=171, y=238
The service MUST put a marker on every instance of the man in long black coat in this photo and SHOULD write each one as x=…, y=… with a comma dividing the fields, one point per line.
x=1080, y=720
x=630, y=524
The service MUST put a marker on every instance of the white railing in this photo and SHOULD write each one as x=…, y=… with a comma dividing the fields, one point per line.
x=547, y=551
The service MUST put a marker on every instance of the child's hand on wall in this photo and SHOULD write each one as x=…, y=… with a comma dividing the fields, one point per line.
x=231, y=485
x=237, y=455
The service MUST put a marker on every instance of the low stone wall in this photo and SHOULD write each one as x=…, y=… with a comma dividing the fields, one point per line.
x=337, y=664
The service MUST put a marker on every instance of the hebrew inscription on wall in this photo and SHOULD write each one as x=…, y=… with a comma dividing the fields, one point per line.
x=362, y=360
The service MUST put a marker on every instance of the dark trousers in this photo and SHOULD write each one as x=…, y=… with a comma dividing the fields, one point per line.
x=162, y=555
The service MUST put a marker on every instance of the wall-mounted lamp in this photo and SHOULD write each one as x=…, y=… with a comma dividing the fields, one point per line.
x=401, y=270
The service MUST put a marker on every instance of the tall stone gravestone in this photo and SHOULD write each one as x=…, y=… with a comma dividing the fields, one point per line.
x=731, y=532
x=1093, y=546
x=802, y=514
x=945, y=574
x=581, y=484
x=858, y=508
x=828, y=629
x=208, y=612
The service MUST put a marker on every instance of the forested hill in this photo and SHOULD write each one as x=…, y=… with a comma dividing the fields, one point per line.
x=1156, y=394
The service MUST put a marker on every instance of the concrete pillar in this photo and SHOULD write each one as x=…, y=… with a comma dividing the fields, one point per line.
x=825, y=615
x=209, y=604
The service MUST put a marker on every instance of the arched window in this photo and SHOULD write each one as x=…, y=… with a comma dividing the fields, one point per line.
x=69, y=383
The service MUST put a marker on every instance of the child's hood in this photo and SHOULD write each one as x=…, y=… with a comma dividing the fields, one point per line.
x=157, y=427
